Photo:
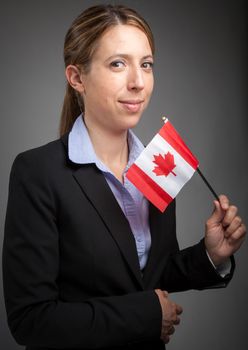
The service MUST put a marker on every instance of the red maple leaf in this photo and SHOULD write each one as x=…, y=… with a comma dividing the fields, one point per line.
x=165, y=164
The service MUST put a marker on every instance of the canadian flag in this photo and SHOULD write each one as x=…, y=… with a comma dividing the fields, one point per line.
x=163, y=168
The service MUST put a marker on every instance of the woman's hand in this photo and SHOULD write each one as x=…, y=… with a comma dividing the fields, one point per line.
x=170, y=312
x=225, y=231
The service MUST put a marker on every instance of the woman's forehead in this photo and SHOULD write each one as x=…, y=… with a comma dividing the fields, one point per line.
x=123, y=40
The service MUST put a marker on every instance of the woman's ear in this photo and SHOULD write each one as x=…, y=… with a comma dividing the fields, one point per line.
x=74, y=78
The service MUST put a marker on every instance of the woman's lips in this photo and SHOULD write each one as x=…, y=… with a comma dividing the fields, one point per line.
x=132, y=106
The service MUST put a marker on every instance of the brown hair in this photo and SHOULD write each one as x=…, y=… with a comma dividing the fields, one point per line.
x=80, y=44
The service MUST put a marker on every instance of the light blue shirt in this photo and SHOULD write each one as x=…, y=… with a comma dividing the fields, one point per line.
x=133, y=204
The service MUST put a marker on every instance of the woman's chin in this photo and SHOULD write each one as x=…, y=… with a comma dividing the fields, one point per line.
x=131, y=121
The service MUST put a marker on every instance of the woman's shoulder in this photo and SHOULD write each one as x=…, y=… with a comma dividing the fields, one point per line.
x=46, y=151
x=42, y=159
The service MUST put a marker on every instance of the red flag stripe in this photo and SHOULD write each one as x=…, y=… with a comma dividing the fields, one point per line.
x=173, y=138
x=148, y=187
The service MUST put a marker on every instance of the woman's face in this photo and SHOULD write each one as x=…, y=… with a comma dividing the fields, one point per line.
x=119, y=84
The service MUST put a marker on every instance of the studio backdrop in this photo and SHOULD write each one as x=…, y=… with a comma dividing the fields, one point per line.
x=200, y=84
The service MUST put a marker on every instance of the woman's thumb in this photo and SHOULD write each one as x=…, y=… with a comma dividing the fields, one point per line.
x=217, y=215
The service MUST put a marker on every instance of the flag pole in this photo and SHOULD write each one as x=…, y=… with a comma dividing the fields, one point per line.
x=164, y=119
x=208, y=184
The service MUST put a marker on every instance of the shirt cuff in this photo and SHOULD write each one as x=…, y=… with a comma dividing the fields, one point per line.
x=222, y=269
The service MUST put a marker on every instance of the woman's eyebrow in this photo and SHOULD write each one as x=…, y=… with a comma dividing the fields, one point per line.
x=124, y=55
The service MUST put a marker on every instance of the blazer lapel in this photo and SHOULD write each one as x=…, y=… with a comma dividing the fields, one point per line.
x=157, y=229
x=163, y=228
x=95, y=187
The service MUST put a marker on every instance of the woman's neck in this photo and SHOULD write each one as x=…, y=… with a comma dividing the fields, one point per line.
x=110, y=147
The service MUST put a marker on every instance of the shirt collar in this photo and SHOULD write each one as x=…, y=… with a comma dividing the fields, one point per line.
x=81, y=150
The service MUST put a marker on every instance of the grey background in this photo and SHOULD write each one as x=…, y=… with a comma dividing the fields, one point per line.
x=201, y=84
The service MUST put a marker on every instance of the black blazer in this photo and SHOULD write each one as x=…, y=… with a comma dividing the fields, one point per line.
x=70, y=267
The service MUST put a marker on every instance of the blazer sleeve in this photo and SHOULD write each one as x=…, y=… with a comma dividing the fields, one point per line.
x=36, y=314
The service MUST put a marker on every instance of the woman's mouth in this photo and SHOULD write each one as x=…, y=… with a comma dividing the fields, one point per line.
x=133, y=106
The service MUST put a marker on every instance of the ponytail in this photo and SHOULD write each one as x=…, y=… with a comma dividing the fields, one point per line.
x=71, y=109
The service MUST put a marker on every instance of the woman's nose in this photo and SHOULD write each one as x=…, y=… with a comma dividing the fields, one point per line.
x=136, y=79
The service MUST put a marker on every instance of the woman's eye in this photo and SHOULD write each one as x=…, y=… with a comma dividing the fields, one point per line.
x=147, y=65
x=117, y=64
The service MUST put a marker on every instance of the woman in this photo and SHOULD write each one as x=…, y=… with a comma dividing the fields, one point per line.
x=88, y=262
